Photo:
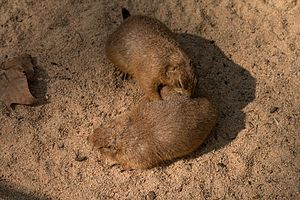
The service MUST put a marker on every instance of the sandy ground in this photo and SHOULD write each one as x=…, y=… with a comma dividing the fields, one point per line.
x=247, y=57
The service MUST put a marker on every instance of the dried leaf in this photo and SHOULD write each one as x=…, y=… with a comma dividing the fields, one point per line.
x=13, y=81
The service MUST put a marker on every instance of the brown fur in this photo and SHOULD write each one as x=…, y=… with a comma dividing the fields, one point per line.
x=146, y=49
x=156, y=131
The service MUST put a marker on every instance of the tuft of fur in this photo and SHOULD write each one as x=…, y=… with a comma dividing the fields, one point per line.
x=149, y=51
x=157, y=131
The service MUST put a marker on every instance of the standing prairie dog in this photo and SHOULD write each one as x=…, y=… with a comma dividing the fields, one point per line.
x=156, y=131
x=148, y=50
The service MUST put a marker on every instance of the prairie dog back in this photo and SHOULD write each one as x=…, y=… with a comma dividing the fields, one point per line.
x=157, y=131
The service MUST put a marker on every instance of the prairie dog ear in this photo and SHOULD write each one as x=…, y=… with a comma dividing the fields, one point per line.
x=170, y=71
x=171, y=68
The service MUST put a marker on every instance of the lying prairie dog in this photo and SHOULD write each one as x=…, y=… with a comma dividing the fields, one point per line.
x=156, y=131
x=149, y=51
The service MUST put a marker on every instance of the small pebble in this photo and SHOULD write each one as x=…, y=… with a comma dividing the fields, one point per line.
x=221, y=165
x=80, y=158
x=273, y=109
x=151, y=195
x=61, y=145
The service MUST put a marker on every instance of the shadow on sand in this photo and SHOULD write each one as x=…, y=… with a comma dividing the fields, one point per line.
x=38, y=86
x=9, y=192
x=227, y=84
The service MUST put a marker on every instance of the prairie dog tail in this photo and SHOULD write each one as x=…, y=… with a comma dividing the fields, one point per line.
x=125, y=13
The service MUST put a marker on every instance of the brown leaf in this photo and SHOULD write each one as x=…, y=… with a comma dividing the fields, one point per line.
x=13, y=81
x=21, y=63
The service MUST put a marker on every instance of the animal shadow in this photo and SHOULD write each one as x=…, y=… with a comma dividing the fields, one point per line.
x=8, y=191
x=38, y=86
x=229, y=86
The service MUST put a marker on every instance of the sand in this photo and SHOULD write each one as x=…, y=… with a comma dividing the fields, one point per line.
x=247, y=57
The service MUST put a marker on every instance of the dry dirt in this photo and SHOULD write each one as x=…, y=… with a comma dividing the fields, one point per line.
x=247, y=57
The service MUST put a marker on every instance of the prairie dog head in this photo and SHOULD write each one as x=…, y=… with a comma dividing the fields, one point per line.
x=181, y=75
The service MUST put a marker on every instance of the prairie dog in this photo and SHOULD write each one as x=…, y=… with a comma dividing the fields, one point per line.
x=149, y=51
x=156, y=131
